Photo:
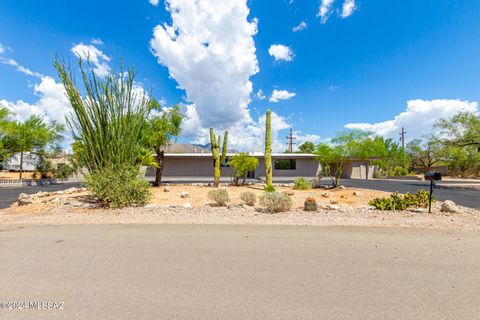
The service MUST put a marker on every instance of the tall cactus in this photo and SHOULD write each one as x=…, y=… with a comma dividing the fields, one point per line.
x=224, y=147
x=268, y=147
x=217, y=158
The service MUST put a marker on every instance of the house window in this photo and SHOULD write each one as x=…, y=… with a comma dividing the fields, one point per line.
x=285, y=164
x=225, y=164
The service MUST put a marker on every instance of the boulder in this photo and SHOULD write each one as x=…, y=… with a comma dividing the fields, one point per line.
x=449, y=206
x=24, y=199
x=166, y=189
x=185, y=195
x=187, y=206
x=342, y=187
x=151, y=206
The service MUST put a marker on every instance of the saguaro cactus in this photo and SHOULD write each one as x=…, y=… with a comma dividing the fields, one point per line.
x=217, y=159
x=268, y=147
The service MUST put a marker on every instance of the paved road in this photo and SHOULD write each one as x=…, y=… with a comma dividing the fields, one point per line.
x=445, y=190
x=239, y=272
x=8, y=195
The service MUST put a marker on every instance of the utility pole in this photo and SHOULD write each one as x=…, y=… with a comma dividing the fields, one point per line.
x=403, y=137
x=290, y=141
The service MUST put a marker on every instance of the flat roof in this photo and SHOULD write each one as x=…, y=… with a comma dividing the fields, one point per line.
x=256, y=154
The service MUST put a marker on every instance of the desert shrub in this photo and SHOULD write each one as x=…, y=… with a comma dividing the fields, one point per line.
x=64, y=171
x=302, y=184
x=269, y=188
x=220, y=196
x=310, y=204
x=399, y=171
x=401, y=202
x=119, y=187
x=249, y=198
x=276, y=202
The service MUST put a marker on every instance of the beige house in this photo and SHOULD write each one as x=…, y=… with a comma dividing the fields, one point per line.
x=284, y=165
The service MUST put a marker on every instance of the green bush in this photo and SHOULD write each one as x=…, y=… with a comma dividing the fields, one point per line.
x=302, y=184
x=399, y=171
x=220, y=196
x=276, y=202
x=401, y=202
x=249, y=198
x=269, y=188
x=119, y=187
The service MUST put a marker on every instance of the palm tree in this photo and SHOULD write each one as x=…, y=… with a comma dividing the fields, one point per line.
x=31, y=135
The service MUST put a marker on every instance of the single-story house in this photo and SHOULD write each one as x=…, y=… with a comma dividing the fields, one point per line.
x=284, y=165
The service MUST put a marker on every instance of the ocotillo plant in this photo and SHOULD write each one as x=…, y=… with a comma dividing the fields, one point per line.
x=268, y=148
x=218, y=160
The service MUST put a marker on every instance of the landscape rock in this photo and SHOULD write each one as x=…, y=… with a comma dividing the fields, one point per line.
x=187, y=206
x=151, y=206
x=342, y=187
x=166, y=189
x=333, y=207
x=289, y=193
x=449, y=206
x=234, y=206
x=24, y=199
x=71, y=190
x=41, y=194
x=326, y=195
x=185, y=195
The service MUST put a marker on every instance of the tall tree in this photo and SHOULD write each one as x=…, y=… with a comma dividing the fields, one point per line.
x=5, y=148
x=424, y=153
x=461, y=130
x=307, y=147
x=162, y=128
x=33, y=135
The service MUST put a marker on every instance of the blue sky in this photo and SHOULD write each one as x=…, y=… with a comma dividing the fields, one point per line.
x=375, y=64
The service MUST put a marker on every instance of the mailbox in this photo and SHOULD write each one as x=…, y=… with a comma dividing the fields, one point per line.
x=433, y=176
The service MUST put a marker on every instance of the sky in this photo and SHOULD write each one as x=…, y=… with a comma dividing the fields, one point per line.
x=321, y=66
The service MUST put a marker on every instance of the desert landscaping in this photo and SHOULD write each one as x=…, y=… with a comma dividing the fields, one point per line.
x=189, y=204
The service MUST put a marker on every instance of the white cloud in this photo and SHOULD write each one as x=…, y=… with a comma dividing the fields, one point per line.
x=52, y=103
x=2, y=49
x=418, y=119
x=96, y=56
x=154, y=2
x=260, y=95
x=325, y=10
x=333, y=88
x=248, y=137
x=209, y=50
x=97, y=41
x=302, y=25
x=280, y=52
x=278, y=95
x=20, y=68
x=348, y=8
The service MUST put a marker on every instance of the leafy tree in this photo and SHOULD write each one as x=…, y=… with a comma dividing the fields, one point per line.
x=159, y=131
x=391, y=158
x=345, y=146
x=4, y=123
x=32, y=135
x=306, y=147
x=461, y=130
x=242, y=163
x=424, y=153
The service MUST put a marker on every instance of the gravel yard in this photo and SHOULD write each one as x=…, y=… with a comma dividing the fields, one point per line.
x=351, y=209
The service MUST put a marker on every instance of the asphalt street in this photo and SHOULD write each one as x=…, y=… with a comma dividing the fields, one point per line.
x=239, y=272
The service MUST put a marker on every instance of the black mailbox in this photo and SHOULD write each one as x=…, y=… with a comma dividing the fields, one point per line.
x=435, y=176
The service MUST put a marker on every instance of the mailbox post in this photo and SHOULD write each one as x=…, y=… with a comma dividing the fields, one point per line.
x=432, y=177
